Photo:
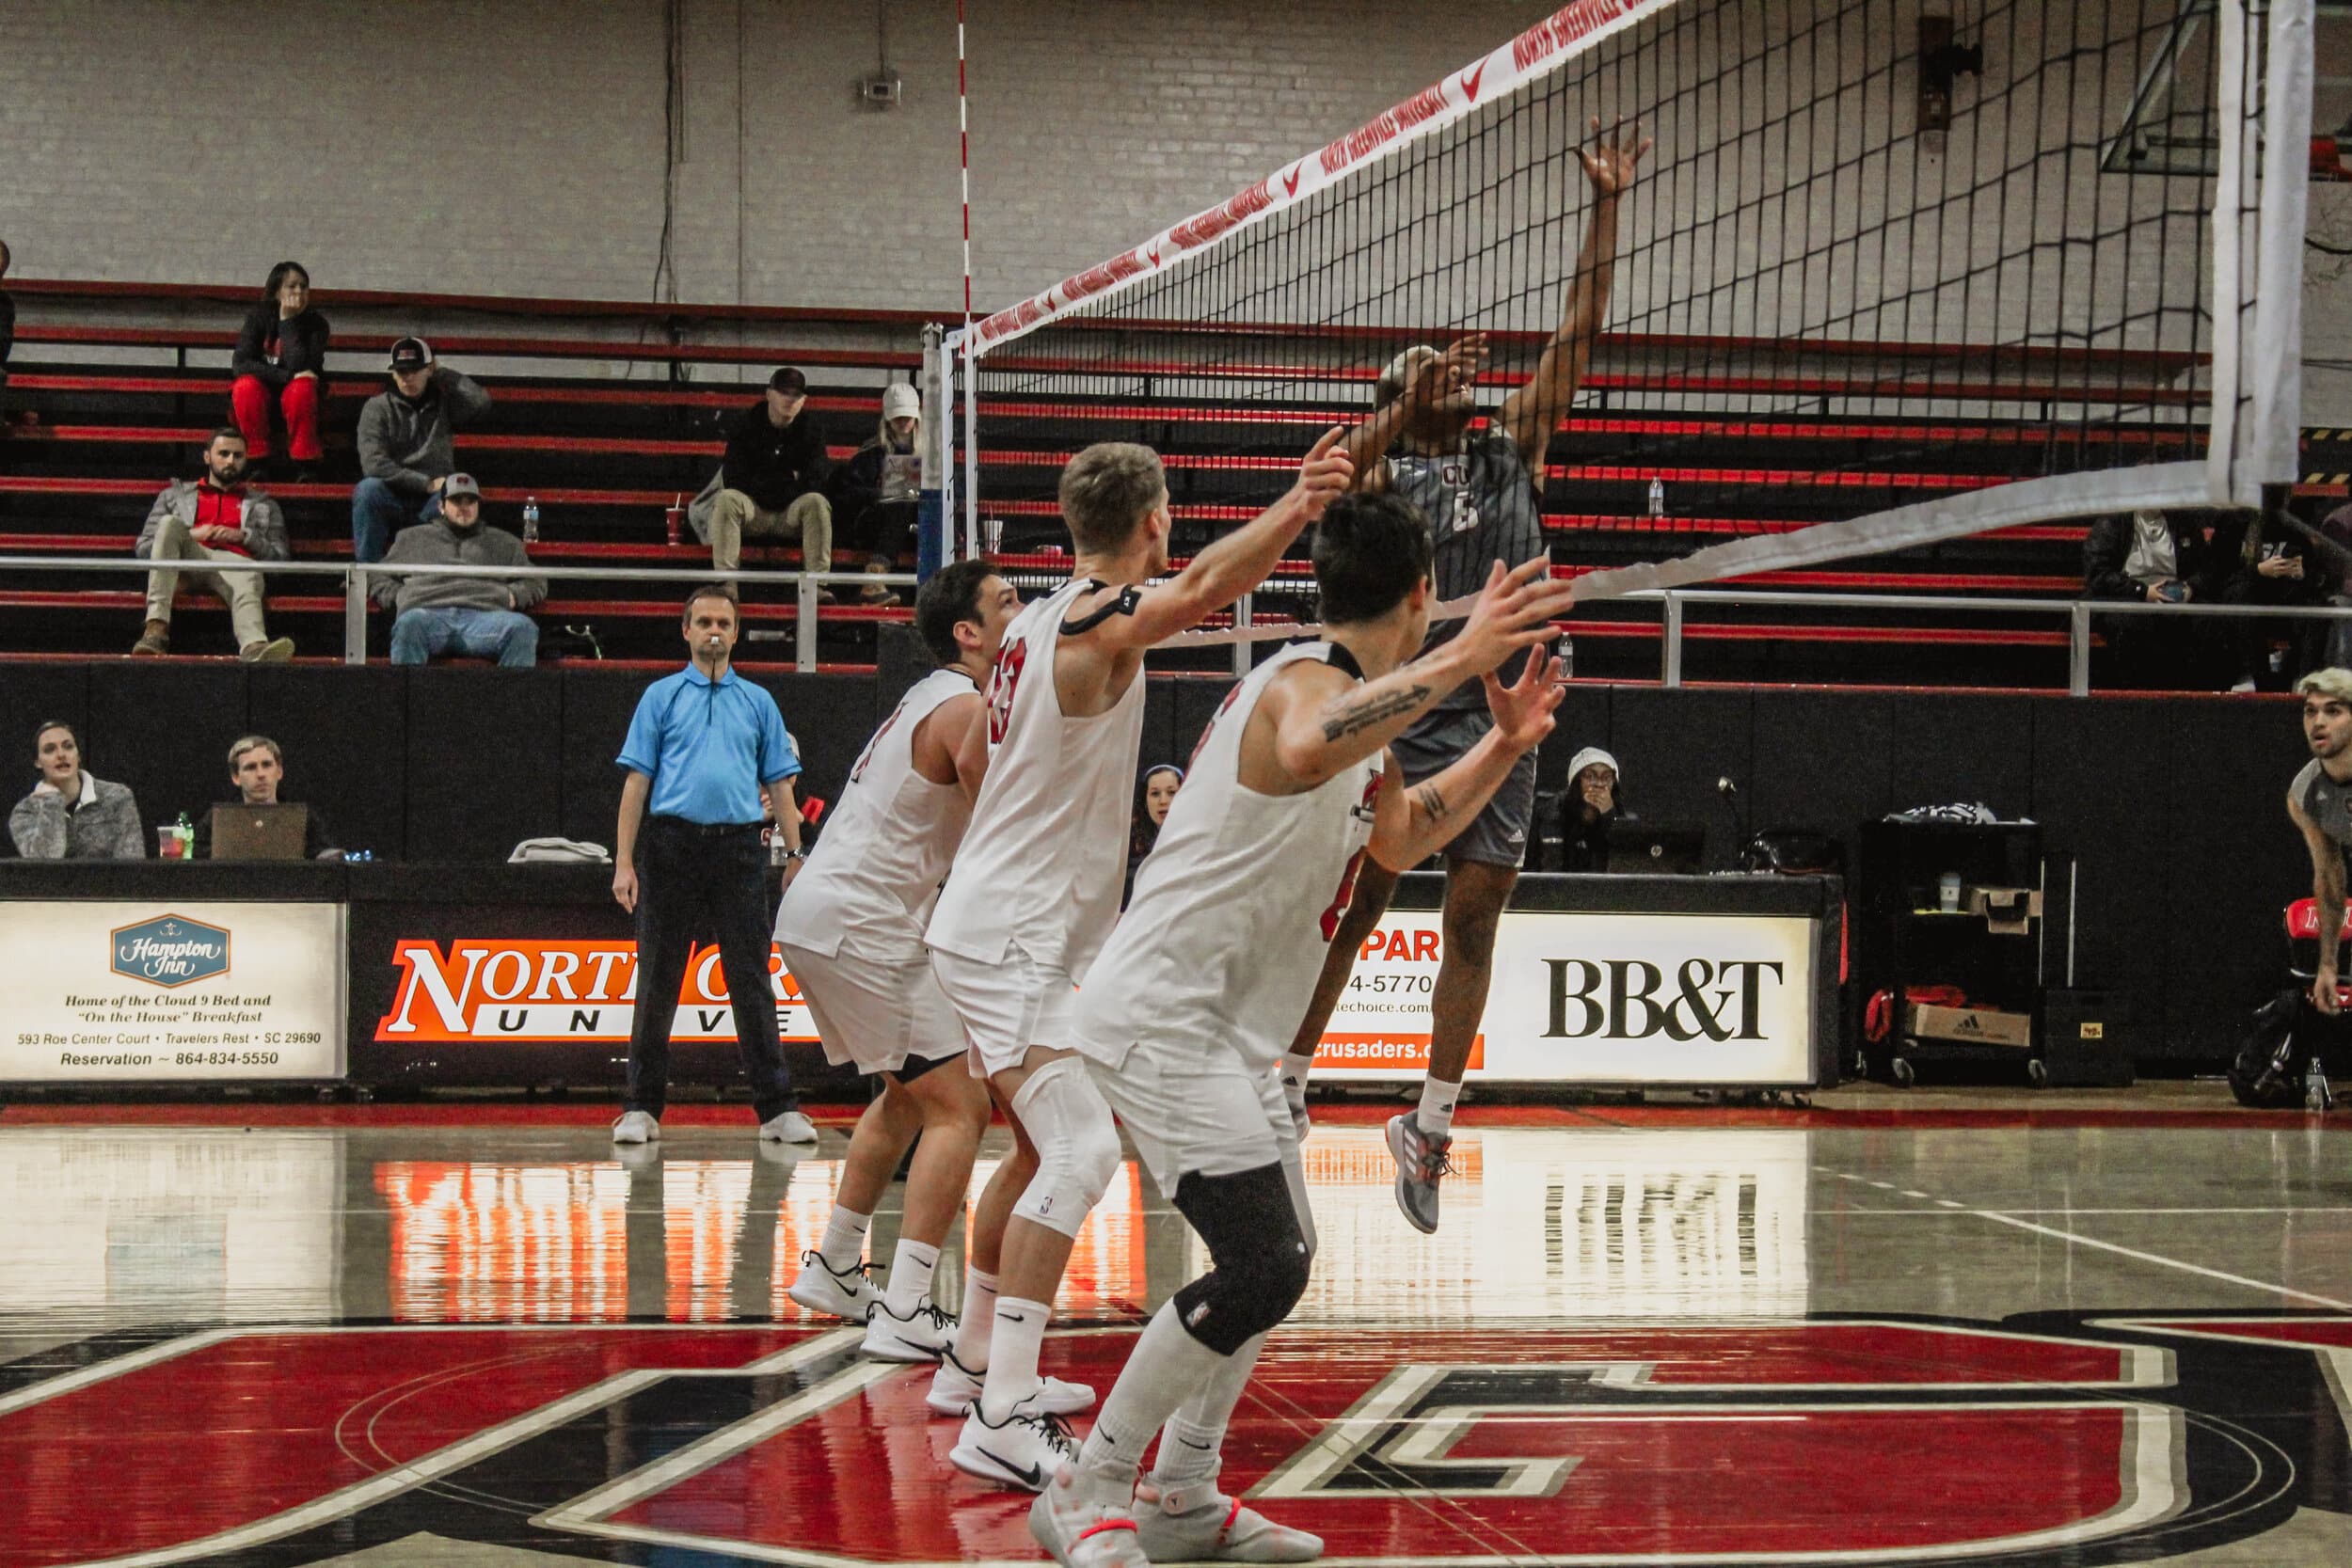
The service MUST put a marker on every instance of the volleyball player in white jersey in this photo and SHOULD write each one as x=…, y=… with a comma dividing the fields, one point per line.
x=1189, y=1008
x=852, y=930
x=1035, y=888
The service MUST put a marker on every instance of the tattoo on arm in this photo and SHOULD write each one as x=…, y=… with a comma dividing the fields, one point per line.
x=1356, y=717
x=1432, y=804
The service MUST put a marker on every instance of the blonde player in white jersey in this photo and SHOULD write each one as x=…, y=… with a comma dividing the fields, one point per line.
x=1189, y=1008
x=1035, y=888
x=851, y=930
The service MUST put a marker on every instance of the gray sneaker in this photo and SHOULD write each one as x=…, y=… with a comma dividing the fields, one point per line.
x=1194, y=1522
x=1420, y=1164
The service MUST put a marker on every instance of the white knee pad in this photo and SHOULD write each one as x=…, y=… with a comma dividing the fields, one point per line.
x=1078, y=1145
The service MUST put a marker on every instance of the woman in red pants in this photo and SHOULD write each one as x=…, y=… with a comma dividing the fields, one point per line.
x=281, y=361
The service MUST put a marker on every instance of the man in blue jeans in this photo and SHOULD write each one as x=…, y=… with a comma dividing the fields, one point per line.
x=704, y=745
x=405, y=446
x=480, y=617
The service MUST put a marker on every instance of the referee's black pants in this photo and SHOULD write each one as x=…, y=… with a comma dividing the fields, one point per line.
x=692, y=878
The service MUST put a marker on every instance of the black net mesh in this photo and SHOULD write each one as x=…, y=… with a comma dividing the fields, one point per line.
x=1816, y=308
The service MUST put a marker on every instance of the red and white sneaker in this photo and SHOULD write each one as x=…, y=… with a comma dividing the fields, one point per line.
x=1020, y=1450
x=1081, y=1528
x=957, y=1389
x=1197, y=1523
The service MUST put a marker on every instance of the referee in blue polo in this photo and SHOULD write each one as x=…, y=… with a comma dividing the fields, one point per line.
x=702, y=746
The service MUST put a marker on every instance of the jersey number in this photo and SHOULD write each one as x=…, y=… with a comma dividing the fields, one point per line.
x=1003, y=679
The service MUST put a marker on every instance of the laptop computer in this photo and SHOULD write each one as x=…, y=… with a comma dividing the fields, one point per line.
x=1653, y=848
x=242, y=833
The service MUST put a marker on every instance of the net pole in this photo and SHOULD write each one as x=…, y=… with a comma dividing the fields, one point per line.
x=2233, y=130
x=2278, y=359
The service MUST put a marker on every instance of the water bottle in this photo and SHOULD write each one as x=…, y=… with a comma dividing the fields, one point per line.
x=186, y=835
x=531, y=519
x=1656, y=498
x=1564, y=650
x=2315, y=1095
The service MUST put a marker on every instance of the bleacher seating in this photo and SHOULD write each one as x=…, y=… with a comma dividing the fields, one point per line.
x=606, y=453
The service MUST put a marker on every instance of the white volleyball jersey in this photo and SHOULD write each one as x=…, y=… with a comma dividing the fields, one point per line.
x=887, y=845
x=1043, y=860
x=1234, y=908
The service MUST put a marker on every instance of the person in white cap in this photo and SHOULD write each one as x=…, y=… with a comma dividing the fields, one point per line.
x=1588, y=807
x=874, y=494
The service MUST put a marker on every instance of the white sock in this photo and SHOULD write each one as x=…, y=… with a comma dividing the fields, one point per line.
x=1012, y=1353
x=1194, y=1437
x=1167, y=1367
x=911, y=1269
x=1436, y=1115
x=1296, y=1071
x=845, y=1239
x=978, y=1322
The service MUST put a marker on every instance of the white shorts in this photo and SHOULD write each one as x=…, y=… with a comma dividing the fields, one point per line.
x=1197, y=1109
x=875, y=1017
x=1007, y=1008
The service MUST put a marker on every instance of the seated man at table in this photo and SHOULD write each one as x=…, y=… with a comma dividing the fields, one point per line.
x=479, y=617
x=256, y=767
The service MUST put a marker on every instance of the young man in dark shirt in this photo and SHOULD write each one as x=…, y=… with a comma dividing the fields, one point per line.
x=256, y=767
x=771, y=481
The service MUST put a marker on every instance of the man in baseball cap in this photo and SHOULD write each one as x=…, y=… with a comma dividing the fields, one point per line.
x=771, y=483
x=481, y=617
x=404, y=448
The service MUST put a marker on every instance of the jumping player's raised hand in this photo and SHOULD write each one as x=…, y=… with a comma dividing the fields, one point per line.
x=1524, y=710
x=1609, y=164
x=1513, y=610
x=1326, y=474
x=1439, y=377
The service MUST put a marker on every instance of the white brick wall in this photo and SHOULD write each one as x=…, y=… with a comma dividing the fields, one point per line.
x=516, y=146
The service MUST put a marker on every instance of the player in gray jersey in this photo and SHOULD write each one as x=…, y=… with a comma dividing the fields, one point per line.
x=2319, y=802
x=1481, y=492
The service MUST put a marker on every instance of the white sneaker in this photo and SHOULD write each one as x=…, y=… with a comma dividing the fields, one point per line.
x=921, y=1335
x=819, y=1288
x=957, y=1389
x=1197, y=1523
x=635, y=1127
x=1022, y=1451
x=1080, y=1528
x=788, y=1127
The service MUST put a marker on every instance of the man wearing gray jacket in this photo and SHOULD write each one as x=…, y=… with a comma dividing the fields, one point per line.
x=480, y=617
x=219, y=517
x=404, y=448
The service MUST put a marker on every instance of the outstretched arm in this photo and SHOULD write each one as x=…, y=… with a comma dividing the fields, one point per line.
x=1414, y=824
x=1368, y=443
x=1239, y=562
x=1530, y=414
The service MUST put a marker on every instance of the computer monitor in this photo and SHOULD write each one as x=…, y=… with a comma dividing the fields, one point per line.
x=1655, y=848
x=243, y=832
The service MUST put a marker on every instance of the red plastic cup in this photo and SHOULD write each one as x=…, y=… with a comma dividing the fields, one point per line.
x=674, y=523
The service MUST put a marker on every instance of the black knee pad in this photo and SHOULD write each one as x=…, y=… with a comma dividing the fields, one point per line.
x=1257, y=1252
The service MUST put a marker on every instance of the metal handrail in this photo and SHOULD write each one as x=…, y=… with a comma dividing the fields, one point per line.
x=1675, y=602
x=354, y=577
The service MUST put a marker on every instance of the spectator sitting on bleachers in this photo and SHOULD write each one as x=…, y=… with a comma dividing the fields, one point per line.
x=258, y=768
x=1588, y=808
x=2162, y=558
x=2267, y=566
x=71, y=814
x=219, y=517
x=770, y=483
x=280, y=360
x=478, y=617
x=405, y=446
x=875, y=494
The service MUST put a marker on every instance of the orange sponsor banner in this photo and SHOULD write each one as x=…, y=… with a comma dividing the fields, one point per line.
x=515, y=989
x=1387, y=1052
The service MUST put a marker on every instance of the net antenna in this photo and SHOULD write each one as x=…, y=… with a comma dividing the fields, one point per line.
x=2062, y=304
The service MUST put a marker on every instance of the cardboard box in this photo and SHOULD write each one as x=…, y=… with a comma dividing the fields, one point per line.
x=2008, y=910
x=1971, y=1026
